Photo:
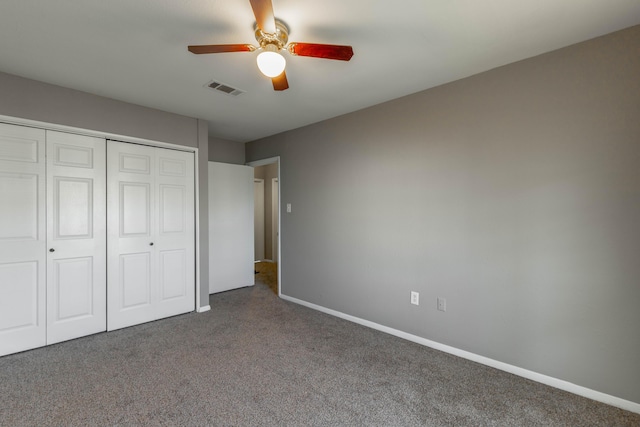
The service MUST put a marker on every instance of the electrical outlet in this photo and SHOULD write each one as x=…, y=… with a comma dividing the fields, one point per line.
x=442, y=304
x=288, y=207
x=415, y=298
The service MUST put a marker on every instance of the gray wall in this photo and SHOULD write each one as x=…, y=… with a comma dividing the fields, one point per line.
x=224, y=151
x=30, y=99
x=515, y=194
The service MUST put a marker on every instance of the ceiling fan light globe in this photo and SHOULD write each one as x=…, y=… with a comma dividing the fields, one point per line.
x=271, y=64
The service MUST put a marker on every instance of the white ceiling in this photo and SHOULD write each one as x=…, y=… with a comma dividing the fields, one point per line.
x=136, y=50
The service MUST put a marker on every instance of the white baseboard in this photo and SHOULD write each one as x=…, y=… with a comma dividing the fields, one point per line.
x=525, y=373
x=203, y=309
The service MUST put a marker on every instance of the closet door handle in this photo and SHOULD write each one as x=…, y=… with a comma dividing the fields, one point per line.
x=52, y=250
x=151, y=244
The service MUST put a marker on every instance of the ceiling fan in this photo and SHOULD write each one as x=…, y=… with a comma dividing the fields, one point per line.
x=272, y=36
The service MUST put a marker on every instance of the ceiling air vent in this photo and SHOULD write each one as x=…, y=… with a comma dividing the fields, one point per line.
x=221, y=87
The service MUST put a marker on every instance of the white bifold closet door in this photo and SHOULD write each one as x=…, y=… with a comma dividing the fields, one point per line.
x=76, y=236
x=52, y=237
x=22, y=239
x=151, y=237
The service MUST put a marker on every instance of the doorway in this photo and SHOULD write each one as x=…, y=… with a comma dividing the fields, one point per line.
x=258, y=219
x=275, y=219
x=268, y=268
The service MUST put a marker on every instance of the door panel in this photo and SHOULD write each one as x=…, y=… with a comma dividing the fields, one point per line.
x=134, y=163
x=172, y=213
x=19, y=288
x=70, y=292
x=73, y=213
x=21, y=144
x=173, y=274
x=20, y=211
x=22, y=239
x=76, y=259
x=152, y=206
x=135, y=209
x=74, y=156
x=231, y=225
x=135, y=280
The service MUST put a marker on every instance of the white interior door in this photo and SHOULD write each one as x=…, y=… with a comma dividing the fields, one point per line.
x=231, y=241
x=76, y=236
x=22, y=239
x=275, y=218
x=258, y=218
x=151, y=233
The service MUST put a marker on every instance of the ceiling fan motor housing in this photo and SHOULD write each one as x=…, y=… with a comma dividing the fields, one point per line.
x=278, y=39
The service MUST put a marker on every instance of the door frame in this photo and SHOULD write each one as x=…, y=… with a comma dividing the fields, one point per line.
x=256, y=206
x=269, y=161
x=275, y=220
x=141, y=141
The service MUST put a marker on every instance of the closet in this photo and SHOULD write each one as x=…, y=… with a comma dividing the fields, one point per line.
x=151, y=233
x=88, y=224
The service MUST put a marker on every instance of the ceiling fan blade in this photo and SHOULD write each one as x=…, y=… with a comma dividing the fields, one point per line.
x=221, y=48
x=327, y=51
x=280, y=82
x=263, y=11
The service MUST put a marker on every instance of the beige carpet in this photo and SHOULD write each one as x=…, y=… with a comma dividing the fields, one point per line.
x=267, y=274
